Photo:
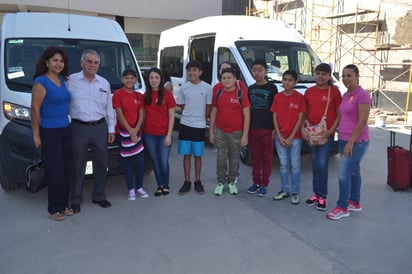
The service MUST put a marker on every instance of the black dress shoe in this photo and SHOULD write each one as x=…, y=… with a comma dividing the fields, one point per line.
x=76, y=208
x=103, y=203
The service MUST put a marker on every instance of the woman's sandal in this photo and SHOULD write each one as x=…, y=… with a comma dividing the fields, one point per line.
x=68, y=211
x=158, y=191
x=57, y=216
x=165, y=190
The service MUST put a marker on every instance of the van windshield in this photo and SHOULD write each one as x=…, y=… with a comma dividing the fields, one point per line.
x=279, y=57
x=21, y=56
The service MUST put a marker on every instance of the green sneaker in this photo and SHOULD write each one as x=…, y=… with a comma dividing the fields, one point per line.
x=233, y=188
x=219, y=189
x=281, y=195
x=295, y=199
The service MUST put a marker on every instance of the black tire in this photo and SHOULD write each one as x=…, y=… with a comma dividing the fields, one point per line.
x=246, y=156
x=6, y=184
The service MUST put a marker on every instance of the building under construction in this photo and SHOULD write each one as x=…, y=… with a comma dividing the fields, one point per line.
x=375, y=35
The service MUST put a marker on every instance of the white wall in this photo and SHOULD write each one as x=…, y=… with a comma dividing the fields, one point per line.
x=163, y=9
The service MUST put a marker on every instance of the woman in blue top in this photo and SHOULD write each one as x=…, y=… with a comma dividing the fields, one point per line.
x=50, y=124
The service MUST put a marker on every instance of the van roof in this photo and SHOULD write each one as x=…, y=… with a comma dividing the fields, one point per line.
x=238, y=27
x=52, y=25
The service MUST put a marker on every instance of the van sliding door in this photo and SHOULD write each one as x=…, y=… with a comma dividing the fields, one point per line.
x=202, y=50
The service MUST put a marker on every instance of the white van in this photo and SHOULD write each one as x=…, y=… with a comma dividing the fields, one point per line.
x=239, y=40
x=24, y=36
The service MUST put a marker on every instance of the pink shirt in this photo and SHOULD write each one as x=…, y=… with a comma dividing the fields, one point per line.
x=349, y=114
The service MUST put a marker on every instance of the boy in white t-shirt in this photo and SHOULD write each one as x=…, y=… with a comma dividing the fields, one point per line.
x=195, y=99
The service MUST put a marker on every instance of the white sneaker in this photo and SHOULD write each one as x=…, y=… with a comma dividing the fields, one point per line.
x=132, y=195
x=141, y=193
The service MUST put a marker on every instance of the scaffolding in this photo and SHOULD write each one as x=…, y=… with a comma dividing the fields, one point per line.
x=292, y=13
x=321, y=30
x=356, y=38
x=340, y=37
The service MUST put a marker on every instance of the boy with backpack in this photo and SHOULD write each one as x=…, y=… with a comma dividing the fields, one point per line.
x=229, y=128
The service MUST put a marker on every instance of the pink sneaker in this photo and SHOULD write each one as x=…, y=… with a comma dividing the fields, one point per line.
x=352, y=206
x=312, y=200
x=142, y=193
x=338, y=213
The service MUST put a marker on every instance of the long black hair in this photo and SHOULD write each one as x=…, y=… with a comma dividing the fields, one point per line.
x=149, y=90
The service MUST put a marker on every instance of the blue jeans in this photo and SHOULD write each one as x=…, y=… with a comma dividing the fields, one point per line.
x=349, y=173
x=320, y=164
x=133, y=164
x=159, y=153
x=289, y=158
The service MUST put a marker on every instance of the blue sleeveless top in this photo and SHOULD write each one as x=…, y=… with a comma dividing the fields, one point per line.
x=54, y=110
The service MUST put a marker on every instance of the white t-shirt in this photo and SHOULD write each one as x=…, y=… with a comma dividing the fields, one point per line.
x=195, y=97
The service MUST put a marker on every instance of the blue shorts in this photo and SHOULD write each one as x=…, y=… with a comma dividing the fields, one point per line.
x=191, y=141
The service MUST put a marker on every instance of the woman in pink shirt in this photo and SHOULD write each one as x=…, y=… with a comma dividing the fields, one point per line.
x=353, y=142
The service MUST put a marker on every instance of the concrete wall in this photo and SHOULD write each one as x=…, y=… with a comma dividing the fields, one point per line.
x=161, y=9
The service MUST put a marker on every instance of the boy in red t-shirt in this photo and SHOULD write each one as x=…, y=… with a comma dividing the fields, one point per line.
x=129, y=108
x=229, y=128
x=288, y=108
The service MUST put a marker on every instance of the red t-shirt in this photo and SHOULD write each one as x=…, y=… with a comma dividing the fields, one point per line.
x=288, y=108
x=316, y=99
x=229, y=117
x=130, y=103
x=157, y=117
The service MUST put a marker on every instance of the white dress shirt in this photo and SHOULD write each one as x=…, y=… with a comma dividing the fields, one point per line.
x=91, y=100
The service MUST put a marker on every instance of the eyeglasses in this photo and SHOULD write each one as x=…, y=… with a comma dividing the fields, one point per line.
x=90, y=62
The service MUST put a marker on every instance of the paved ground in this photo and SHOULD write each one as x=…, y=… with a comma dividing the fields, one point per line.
x=209, y=234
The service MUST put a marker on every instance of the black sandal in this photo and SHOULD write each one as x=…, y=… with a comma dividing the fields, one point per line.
x=165, y=190
x=158, y=191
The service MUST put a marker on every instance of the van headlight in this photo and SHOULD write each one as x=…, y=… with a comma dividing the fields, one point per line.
x=13, y=111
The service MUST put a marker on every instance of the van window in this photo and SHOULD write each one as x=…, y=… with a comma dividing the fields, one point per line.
x=21, y=56
x=171, y=61
x=202, y=50
x=281, y=56
x=225, y=55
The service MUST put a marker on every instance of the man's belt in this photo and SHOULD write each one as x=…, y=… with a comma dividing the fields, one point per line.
x=91, y=123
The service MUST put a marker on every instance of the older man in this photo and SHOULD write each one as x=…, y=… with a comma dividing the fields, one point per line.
x=92, y=126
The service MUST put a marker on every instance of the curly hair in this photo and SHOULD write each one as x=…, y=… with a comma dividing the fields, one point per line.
x=48, y=53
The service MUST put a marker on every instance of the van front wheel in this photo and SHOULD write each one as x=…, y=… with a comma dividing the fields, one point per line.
x=246, y=155
x=6, y=184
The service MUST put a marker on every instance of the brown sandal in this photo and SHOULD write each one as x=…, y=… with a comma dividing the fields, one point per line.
x=68, y=211
x=57, y=216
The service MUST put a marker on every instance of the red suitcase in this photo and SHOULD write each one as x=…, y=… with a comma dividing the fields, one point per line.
x=399, y=165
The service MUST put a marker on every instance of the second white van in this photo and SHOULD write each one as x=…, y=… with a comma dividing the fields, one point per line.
x=239, y=40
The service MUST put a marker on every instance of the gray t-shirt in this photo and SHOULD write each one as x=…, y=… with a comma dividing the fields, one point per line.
x=195, y=97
